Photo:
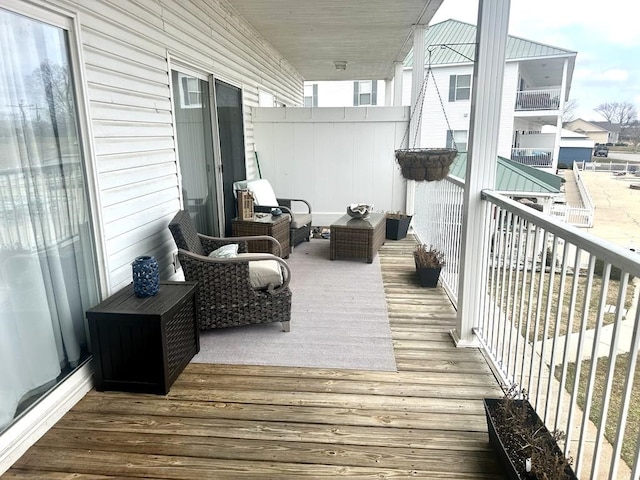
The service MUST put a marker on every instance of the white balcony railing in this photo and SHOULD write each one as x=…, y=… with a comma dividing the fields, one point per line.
x=441, y=225
x=553, y=320
x=54, y=194
x=533, y=157
x=541, y=99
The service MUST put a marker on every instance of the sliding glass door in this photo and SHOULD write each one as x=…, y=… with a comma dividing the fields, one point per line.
x=231, y=135
x=193, y=122
x=210, y=137
x=47, y=267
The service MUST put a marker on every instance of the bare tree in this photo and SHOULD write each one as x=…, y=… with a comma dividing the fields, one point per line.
x=569, y=111
x=620, y=113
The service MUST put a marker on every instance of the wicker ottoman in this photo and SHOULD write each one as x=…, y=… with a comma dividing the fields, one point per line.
x=357, y=238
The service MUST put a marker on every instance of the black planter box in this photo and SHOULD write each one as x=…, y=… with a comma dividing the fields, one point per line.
x=397, y=228
x=497, y=443
x=428, y=277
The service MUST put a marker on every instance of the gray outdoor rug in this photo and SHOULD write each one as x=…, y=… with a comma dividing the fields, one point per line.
x=338, y=320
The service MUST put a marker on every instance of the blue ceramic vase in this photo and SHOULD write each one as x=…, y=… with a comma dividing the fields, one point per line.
x=146, y=276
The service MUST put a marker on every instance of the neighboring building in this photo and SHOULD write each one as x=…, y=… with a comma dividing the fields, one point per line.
x=344, y=93
x=599, y=132
x=574, y=147
x=536, y=86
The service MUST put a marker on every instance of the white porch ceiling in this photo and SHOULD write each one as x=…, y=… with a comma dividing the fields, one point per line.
x=370, y=35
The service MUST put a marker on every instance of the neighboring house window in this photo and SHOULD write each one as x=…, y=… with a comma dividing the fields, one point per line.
x=459, y=87
x=311, y=95
x=365, y=93
x=457, y=139
x=190, y=92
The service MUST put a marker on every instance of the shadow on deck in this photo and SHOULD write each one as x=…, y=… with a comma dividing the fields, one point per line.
x=226, y=421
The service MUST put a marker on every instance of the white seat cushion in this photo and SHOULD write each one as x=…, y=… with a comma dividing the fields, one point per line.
x=300, y=220
x=262, y=192
x=263, y=273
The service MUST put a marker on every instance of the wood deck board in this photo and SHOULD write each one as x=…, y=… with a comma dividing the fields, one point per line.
x=230, y=421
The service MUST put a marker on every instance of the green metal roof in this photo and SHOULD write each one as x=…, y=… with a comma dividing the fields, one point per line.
x=460, y=39
x=513, y=176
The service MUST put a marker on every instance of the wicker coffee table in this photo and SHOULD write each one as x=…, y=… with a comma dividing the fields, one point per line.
x=357, y=238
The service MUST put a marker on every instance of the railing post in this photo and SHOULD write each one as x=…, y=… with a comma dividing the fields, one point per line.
x=488, y=75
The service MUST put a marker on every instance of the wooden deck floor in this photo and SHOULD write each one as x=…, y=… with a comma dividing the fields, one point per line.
x=425, y=421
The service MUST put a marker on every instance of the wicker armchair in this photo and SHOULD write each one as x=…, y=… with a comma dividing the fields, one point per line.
x=265, y=199
x=226, y=297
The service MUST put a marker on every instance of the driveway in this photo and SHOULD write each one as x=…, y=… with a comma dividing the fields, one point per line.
x=617, y=212
x=625, y=157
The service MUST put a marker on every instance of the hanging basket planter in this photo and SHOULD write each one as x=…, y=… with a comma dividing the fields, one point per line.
x=425, y=164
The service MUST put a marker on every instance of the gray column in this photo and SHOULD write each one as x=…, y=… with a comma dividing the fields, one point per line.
x=415, y=125
x=484, y=128
x=398, y=78
x=417, y=77
x=563, y=92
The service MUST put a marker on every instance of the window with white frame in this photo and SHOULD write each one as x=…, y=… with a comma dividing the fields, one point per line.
x=190, y=91
x=311, y=95
x=457, y=139
x=459, y=87
x=365, y=92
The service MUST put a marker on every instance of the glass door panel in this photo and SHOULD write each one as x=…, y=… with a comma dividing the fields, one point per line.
x=232, y=151
x=192, y=116
x=47, y=263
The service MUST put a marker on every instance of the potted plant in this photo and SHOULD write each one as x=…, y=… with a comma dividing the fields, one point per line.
x=526, y=448
x=397, y=225
x=429, y=262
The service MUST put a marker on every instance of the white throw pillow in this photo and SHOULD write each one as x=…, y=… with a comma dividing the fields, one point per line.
x=225, y=251
x=263, y=273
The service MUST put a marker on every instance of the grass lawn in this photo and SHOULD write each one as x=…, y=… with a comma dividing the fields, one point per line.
x=633, y=419
x=612, y=298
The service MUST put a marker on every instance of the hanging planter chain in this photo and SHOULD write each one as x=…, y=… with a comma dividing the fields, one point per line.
x=426, y=163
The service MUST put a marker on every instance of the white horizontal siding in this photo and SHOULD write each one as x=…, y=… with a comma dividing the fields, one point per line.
x=435, y=114
x=127, y=49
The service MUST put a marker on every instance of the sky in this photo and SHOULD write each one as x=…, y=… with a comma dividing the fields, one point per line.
x=605, y=35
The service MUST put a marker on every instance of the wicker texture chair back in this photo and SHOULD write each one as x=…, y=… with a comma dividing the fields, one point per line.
x=225, y=295
x=184, y=233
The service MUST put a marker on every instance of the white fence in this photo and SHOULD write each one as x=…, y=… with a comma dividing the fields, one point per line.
x=437, y=221
x=333, y=157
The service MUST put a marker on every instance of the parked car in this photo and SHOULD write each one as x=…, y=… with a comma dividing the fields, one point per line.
x=601, y=151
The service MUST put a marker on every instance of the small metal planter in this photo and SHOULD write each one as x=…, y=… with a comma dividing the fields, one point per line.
x=428, y=277
x=425, y=164
x=397, y=228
